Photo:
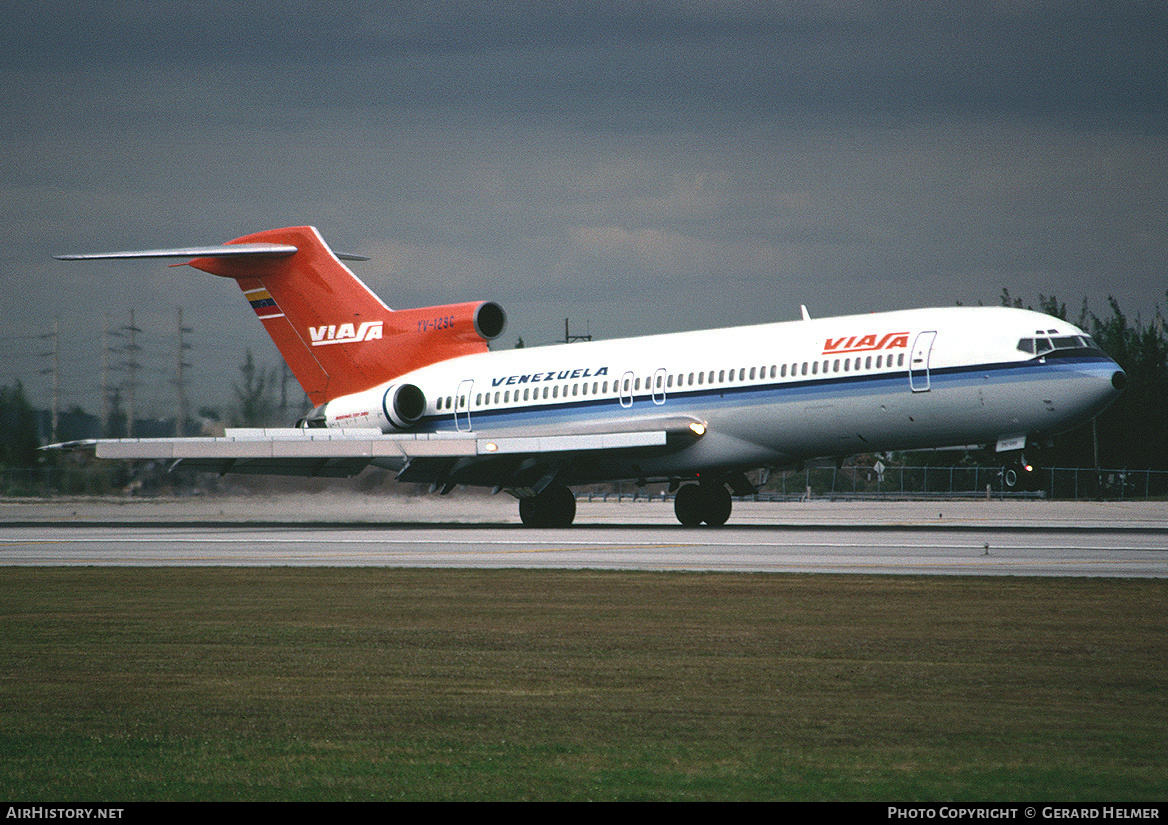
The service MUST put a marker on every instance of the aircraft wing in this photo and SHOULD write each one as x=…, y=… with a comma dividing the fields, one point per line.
x=507, y=459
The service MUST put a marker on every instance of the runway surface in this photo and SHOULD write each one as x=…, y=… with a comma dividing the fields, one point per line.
x=1018, y=538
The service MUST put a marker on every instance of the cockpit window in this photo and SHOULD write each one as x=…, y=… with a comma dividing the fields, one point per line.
x=1041, y=343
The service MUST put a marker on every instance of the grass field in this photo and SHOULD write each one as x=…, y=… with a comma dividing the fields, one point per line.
x=124, y=684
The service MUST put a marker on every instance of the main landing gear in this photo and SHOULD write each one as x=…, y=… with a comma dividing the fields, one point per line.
x=555, y=506
x=705, y=502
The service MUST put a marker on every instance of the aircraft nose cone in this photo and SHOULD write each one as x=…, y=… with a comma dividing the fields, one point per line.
x=1119, y=380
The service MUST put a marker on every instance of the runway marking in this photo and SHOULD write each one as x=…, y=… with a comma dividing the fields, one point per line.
x=1060, y=553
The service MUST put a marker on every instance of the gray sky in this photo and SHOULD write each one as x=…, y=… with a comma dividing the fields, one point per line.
x=637, y=166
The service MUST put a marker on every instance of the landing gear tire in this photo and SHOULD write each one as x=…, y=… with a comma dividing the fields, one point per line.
x=698, y=503
x=687, y=505
x=718, y=504
x=554, y=507
x=1021, y=475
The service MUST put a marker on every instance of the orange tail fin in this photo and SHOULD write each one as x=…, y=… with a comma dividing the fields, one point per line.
x=337, y=336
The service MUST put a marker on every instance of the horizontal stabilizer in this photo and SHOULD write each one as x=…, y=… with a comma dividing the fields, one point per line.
x=236, y=250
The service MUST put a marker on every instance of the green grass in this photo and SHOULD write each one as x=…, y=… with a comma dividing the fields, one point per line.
x=356, y=683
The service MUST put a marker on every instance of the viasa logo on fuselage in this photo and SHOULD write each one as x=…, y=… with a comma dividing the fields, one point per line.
x=345, y=333
x=865, y=343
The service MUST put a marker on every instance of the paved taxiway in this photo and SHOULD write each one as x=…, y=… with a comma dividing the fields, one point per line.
x=957, y=538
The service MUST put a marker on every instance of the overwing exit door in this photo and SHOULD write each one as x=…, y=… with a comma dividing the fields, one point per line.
x=462, y=405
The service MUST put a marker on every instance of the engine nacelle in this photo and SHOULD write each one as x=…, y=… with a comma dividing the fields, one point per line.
x=403, y=405
x=489, y=320
x=398, y=407
x=467, y=323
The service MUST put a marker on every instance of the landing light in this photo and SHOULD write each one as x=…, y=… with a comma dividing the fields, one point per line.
x=697, y=428
x=490, y=446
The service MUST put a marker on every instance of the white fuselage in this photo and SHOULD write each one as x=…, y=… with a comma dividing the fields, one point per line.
x=776, y=394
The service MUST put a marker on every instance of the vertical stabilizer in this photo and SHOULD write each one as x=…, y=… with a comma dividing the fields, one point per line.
x=337, y=336
x=327, y=324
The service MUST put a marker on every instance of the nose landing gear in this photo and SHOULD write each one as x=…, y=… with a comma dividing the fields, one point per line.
x=1021, y=475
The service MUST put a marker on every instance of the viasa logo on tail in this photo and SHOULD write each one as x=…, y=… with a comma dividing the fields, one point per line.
x=865, y=343
x=345, y=333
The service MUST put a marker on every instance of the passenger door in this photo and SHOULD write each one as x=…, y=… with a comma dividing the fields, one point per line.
x=918, y=362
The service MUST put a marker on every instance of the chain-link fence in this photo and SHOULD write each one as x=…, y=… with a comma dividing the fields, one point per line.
x=924, y=483
x=1067, y=483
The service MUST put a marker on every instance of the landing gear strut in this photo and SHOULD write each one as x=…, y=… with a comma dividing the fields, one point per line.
x=554, y=507
x=706, y=502
x=1019, y=475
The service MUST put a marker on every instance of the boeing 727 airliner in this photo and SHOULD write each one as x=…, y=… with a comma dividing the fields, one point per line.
x=418, y=392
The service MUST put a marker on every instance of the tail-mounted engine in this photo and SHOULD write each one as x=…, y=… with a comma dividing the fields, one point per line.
x=398, y=407
x=403, y=405
x=472, y=322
